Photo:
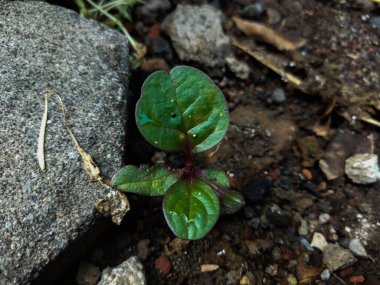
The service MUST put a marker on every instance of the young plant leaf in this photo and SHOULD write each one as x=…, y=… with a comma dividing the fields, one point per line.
x=149, y=181
x=182, y=110
x=231, y=201
x=191, y=208
x=217, y=177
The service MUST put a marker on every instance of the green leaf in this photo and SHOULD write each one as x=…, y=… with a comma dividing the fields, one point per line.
x=217, y=177
x=231, y=201
x=182, y=109
x=149, y=181
x=191, y=208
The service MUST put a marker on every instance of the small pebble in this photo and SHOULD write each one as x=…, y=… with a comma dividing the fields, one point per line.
x=292, y=280
x=357, y=248
x=245, y=280
x=253, y=10
x=303, y=228
x=238, y=67
x=209, y=267
x=278, y=216
x=142, y=249
x=357, y=279
x=306, y=244
x=319, y=241
x=307, y=174
x=272, y=269
x=163, y=264
x=279, y=95
x=325, y=275
x=324, y=218
x=363, y=168
x=273, y=16
x=254, y=223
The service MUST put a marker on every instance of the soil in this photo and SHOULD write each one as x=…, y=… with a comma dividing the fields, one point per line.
x=275, y=167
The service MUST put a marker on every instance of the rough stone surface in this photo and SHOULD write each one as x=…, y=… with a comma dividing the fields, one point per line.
x=130, y=272
x=45, y=46
x=196, y=33
x=335, y=257
x=238, y=67
x=363, y=168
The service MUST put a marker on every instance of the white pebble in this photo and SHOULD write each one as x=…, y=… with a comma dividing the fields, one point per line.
x=363, y=168
x=319, y=241
x=357, y=248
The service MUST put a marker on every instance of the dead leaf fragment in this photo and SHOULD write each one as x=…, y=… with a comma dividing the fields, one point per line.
x=209, y=267
x=274, y=63
x=306, y=273
x=267, y=34
x=115, y=205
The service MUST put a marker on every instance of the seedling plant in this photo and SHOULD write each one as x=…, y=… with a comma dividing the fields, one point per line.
x=182, y=111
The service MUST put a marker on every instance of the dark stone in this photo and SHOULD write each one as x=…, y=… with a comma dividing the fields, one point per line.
x=151, y=10
x=278, y=216
x=160, y=48
x=257, y=189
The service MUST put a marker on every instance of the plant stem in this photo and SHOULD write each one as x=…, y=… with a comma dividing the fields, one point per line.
x=117, y=23
x=218, y=190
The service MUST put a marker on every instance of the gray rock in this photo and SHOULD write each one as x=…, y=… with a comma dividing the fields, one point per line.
x=357, y=248
x=239, y=68
x=196, y=33
x=88, y=274
x=335, y=257
x=87, y=63
x=130, y=272
x=363, y=168
x=279, y=95
x=152, y=9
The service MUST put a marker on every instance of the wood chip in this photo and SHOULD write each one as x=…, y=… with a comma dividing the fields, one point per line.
x=209, y=267
x=267, y=34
